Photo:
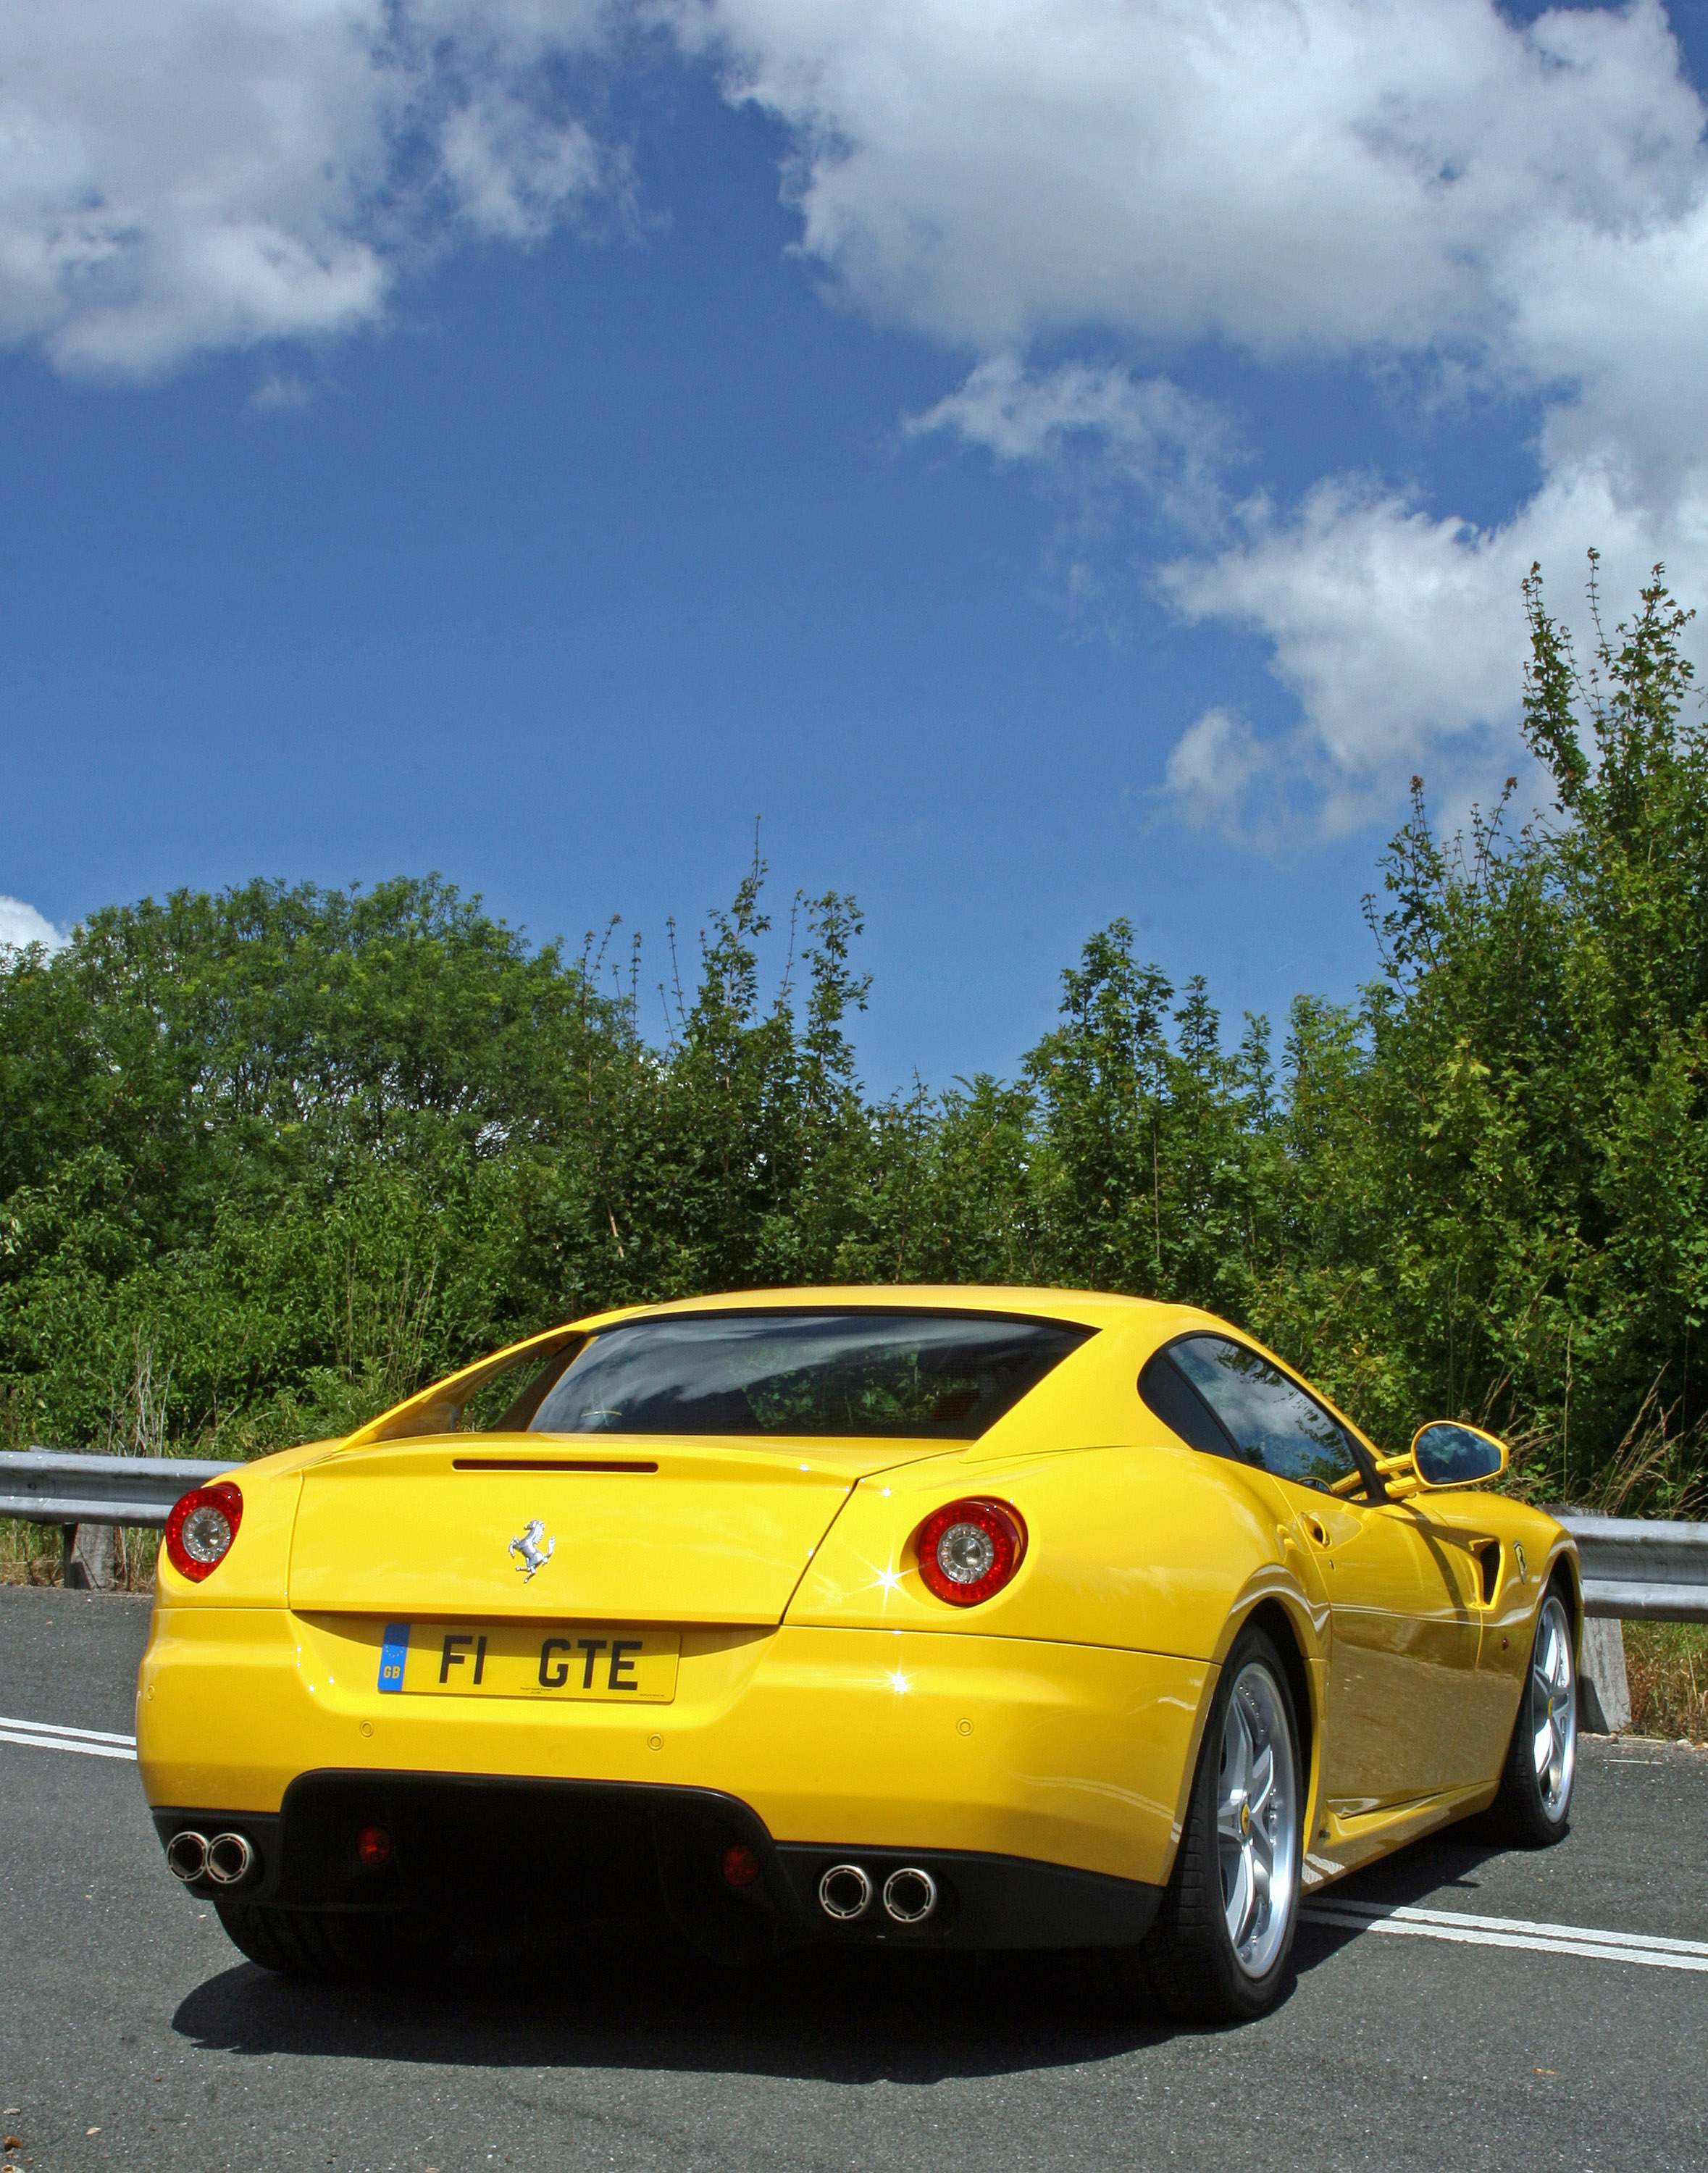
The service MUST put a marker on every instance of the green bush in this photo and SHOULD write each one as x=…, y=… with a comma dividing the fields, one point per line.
x=271, y=1159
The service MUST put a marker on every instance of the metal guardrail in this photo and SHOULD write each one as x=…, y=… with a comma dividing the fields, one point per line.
x=1635, y=1569
x=1638, y=1569
x=59, y=1487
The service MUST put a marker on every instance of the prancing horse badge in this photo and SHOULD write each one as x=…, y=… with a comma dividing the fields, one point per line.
x=527, y=1552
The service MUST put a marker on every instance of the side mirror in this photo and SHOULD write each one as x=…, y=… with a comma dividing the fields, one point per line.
x=1445, y=1453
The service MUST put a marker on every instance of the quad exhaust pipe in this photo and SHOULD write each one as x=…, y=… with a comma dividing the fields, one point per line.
x=845, y=1894
x=187, y=1855
x=909, y=1896
x=229, y=1859
x=226, y=1860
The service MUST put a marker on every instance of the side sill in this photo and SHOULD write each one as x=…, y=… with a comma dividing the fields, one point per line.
x=1352, y=1842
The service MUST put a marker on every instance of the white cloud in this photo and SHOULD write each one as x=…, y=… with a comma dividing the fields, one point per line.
x=21, y=925
x=1401, y=635
x=1215, y=764
x=513, y=169
x=1303, y=175
x=1396, y=632
x=1172, y=446
x=1516, y=207
x=200, y=174
x=279, y=391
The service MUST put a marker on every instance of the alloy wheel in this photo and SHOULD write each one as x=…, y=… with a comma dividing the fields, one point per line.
x=1257, y=1819
x=1553, y=1707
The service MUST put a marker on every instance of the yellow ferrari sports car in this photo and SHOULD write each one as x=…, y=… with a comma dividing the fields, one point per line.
x=947, y=1618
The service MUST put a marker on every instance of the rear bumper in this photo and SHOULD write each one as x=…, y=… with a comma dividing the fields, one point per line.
x=1068, y=1756
x=489, y=1853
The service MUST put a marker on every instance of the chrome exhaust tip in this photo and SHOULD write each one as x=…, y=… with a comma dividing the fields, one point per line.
x=230, y=1857
x=844, y=1892
x=187, y=1855
x=909, y=1896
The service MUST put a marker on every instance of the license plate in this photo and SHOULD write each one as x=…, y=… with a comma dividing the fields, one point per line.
x=563, y=1660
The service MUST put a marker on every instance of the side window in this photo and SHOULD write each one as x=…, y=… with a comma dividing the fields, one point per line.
x=1168, y=1393
x=1273, y=1423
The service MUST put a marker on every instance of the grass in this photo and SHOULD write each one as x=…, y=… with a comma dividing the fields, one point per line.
x=1666, y=1663
x=30, y=1554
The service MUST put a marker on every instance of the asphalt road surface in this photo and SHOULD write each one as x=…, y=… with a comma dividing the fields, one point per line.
x=132, y=2035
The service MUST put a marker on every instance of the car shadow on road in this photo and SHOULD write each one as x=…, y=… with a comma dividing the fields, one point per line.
x=819, y=2015
x=1445, y=1863
x=1442, y=1869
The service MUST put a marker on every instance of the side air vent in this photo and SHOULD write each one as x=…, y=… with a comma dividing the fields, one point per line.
x=1489, y=1561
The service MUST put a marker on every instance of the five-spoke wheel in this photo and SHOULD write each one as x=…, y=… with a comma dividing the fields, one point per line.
x=1219, y=1948
x=1535, y=1788
x=1553, y=1708
x=1256, y=1817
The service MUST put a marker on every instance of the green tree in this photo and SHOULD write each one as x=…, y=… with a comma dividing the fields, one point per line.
x=270, y=1159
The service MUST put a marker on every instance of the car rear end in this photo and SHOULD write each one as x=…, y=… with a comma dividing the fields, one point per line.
x=766, y=1688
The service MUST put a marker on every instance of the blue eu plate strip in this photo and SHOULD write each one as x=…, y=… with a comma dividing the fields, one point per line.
x=392, y=1654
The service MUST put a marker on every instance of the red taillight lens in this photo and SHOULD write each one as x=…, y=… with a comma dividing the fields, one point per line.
x=740, y=1866
x=201, y=1528
x=968, y=1550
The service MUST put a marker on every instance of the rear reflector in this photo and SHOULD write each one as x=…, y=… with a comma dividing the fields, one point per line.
x=373, y=1847
x=740, y=1867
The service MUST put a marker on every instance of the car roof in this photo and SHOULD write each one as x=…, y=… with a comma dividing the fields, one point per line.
x=1088, y=1308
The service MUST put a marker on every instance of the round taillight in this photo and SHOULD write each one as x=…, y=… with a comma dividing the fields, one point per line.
x=201, y=1528
x=968, y=1550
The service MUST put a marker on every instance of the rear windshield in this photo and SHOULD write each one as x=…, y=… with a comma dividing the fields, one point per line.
x=943, y=1376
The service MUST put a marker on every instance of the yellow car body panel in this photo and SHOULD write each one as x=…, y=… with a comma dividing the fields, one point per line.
x=691, y=1533
x=1075, y=1752
x=816, y=1679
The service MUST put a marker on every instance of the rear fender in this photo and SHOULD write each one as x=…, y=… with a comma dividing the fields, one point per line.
x=255, y=1572
x=1148, y=1549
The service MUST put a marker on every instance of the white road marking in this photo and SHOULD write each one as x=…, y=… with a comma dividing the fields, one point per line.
x=48, y=1735
x=53, y=1728
x=1464, y=1929
x=1456, y=1926
x=61, y=1743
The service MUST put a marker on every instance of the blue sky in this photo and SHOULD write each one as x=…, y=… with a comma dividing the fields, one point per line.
x=613, y=462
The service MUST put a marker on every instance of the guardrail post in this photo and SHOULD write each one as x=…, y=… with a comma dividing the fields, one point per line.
x=88, y=1557
x=71, y=1574
x=1604, y=1691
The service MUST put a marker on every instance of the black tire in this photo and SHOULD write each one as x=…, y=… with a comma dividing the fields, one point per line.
x=1187, y=1967
x=1528, y=1812
x=325, y=1948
